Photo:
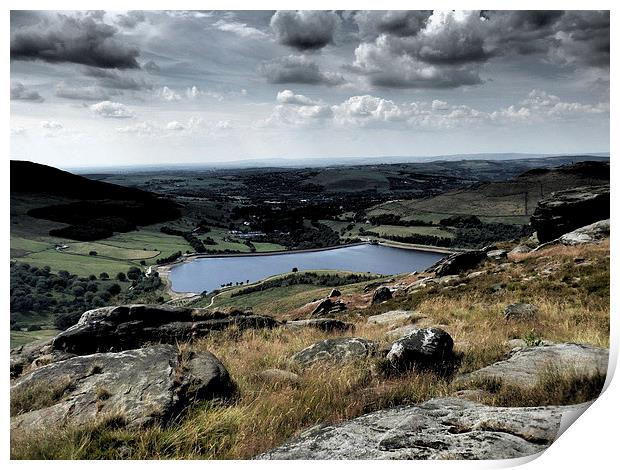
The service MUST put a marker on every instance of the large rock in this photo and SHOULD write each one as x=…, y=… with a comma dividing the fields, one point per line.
x=424, y=348
x=323, y=324
x=564, y=211
x=525, y=367
x=141, y=387
x=458, y=262
x=390, y=318
x=520, y=311
x=132, y=326
x=382, y=294
x=442, y=428
x=328, y=306
x=592, y=233
x=335, y=350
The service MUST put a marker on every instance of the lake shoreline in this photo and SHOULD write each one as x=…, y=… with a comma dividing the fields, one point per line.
x=165, y=269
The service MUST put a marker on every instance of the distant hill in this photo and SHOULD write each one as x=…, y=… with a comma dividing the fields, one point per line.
x=93, y=209
x=510, y=201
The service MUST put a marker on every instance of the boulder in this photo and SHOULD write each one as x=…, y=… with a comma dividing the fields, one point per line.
x=391, y=317
x=382, y=294
x=328, y=306
x=458, y=262
x=520, y=249
x=132, y=326
x=335, y=293
x=524, y=367
x=423, y=348
x=592, y=233
x=279, y=376
x=517, y=343
x=564, y=211
x=323, y=324
x=441, y=428
x=520, y=311
x=335, y=350
x=398, y=333
x=140, y=387
x=497, y=254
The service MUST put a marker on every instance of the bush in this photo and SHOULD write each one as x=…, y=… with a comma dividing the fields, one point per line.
x=121, y=277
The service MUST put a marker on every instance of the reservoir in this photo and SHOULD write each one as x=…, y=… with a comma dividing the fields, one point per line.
x=207, y=274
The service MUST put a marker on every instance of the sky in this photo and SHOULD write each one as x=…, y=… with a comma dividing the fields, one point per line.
x=95, y=88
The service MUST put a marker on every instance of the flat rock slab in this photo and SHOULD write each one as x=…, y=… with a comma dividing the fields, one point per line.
x=133, y=326
x=391, y=317
x=442, y=428
x=335, y=350
x=143, y=386
x=524, y=366
x=592, y=233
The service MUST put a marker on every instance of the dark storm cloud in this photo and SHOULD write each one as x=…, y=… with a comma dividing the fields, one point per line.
x=297, y=69
x=305, y=30
x=82, y=39
x=449, y=49
x=21, y=93
x=117, y=80
x=396, y=22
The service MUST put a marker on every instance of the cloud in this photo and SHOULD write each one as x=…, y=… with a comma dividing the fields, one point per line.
x=305, y=30
x=373, y=23
x=18, y=130
x=82, y=38
x=86, y=93
x=297, y=69
x=368, y=111
x=175, y=126
x=21, y=93
x=151, y=67
x=110, y=109
x=448, y=48
x=194, y=125
x=131, y=19
x=288, y=97
x=240, y=29
x=115, y=80
x=168, y=94
x=51, y=125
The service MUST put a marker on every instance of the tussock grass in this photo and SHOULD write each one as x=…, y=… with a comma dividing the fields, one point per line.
x=40, y=395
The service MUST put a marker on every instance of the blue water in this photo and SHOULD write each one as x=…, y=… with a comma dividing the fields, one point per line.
x=207, y=274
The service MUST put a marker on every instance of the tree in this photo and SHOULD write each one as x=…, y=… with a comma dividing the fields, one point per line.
x=104, y=275
x=295, y=269
x=121, y=277
x=134, y=273
x=92, y=253
x=114, y=289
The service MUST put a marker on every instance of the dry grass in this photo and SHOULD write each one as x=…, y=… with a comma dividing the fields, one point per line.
x=38, y=396
x=573, y=302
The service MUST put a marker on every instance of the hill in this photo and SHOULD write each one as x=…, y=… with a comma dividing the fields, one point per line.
x=93, y=209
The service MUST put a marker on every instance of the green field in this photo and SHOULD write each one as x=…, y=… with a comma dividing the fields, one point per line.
x=19, y=338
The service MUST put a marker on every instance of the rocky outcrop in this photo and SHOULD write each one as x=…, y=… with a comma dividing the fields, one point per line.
x=392, y=317
x=520, y=249
x=335, y=350
x=328, y=306
x=458, y=262
x=524, y=367
x=424, y=348
x=520, y=311
x=382, y=294
x=132, y=326
x=36, y=353
x=279, y=377
x=442, y=428
x=592, y=233
x=138, y=387
x=323, y=324
x=564, y=211
x=335, y=293
x=497, y=254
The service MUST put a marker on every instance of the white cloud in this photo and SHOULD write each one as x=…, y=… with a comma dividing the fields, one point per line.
x=373, y=111
x=240, y=29
x=110, y=109
x=288, y=97
x=168, y=94
x=175, y=126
